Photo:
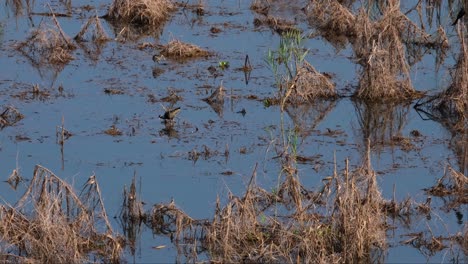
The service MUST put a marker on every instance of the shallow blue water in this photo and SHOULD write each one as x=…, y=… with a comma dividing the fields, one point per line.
x=162, y=163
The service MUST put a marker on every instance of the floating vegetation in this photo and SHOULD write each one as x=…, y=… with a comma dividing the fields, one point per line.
x=141, y=12
x=52, y=224
x=113, y=131
x=177, y=49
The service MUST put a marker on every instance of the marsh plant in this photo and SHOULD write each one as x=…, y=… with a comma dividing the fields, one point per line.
x=288, y=58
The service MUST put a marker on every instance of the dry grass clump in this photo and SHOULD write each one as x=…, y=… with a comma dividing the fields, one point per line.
x=379, y=47
x=246, y=230
x=48, y=44
x=340, y=223
x=309, y=84
x=52, y=224
x=141, y=12
x=331, y=18
x=177, y=49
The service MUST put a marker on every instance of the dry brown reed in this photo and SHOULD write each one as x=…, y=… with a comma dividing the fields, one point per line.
x=141, y=12
x=385, y=44
x=454, y=185
x=379, y=46
x=340, y=223
x=52, y=224
x=309, y=84
x=177, y=49
x=331, y=18
x=92, y=31
x=48, y=44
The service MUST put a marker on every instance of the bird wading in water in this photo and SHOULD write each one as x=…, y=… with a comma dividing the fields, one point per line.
x=170, y=114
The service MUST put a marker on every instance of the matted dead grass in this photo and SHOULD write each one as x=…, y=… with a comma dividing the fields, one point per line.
x=52, y=224
x=331, y=18
x=309, y=84
x=379, y=47
x=177, y=49
x=141, y=12
x=48, y=44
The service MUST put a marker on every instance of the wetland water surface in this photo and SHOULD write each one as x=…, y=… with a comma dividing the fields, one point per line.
x=212, y=150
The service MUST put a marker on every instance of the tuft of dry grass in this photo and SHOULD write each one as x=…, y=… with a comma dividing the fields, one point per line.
x=331, y=18
x=52, y=224
x=141, y=12
x=309, y=84
x=177, y=49
x=379, y=47
x=48, y=44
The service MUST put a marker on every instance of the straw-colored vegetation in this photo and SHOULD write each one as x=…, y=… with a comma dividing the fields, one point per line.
x=342, y=222
x=177, y=49
x=141, y=12
x=48, y=44
x=52, y=224
x=385, y=43
x=92, y=31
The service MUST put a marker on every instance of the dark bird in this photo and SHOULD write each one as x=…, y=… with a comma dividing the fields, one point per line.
x=459, y=16
x=170, y=114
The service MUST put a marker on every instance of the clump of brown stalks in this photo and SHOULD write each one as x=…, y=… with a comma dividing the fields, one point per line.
x=309, y=84
x=141, y=12
x=52, y=224
x=385, y=43
x=380, y=50
x=48, y=44
x=341, y=222
x=177, y=49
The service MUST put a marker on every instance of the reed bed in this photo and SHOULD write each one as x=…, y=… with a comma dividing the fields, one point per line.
x=51, y=223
